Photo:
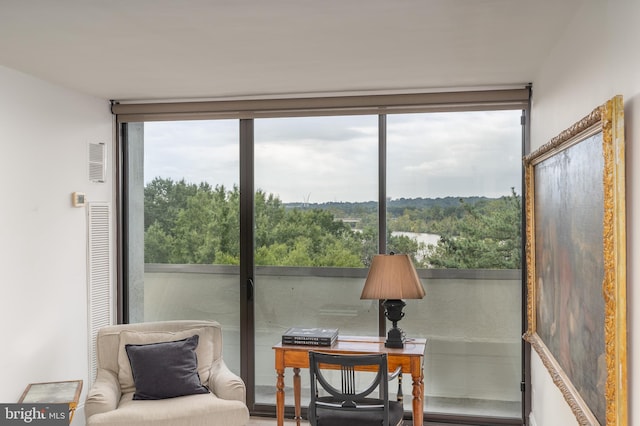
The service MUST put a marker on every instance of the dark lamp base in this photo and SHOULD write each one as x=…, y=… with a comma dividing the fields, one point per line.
x=393, y=312
x=395, y=339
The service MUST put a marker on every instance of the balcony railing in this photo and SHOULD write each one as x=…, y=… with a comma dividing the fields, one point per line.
x=471, y=318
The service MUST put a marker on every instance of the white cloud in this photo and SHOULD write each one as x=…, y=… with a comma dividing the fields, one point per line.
x=453, y=154
x=335, y=158
x=319, y=158
x=196, y=151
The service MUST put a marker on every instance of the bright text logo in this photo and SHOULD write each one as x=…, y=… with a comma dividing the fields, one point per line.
x=34, y=414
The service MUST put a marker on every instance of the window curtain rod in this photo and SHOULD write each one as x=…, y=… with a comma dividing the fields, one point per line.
x=334, y=105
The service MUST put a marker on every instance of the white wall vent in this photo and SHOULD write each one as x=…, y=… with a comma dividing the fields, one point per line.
x=100, y=288
x=97, y=166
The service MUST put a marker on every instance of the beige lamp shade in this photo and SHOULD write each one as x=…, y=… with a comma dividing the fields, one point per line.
x=392, y=276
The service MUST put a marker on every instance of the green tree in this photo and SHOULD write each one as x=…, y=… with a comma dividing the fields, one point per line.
x=195, y=236
x=157, y=245
x=188, y=223
x=312, y=237
x=487, y=236
x=164, y=199
x=403, y=244
x=269, y=211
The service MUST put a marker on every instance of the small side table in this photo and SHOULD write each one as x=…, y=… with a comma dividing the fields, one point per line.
x=54, y=393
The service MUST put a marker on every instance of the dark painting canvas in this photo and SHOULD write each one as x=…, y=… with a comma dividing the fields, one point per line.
x=569, y=266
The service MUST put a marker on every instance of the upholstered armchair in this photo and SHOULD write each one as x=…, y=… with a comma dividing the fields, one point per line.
x=159, y=374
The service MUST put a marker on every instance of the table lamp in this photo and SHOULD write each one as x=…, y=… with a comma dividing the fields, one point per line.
x=392, y=277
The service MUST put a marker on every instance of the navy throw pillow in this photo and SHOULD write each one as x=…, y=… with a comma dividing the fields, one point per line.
x=165, y=370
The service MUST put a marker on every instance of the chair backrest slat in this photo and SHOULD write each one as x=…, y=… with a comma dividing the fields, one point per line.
x=348, y=380
x=347, y=394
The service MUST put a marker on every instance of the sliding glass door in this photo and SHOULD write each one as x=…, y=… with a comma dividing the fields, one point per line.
x=316, y=231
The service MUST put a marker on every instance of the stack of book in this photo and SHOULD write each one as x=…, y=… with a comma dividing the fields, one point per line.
x=310, y=336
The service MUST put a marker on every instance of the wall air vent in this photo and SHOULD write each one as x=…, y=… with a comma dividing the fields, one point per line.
x=100, y=288
x=97, y=166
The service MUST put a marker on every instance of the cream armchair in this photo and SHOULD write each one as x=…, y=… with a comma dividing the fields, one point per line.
x=114, y=398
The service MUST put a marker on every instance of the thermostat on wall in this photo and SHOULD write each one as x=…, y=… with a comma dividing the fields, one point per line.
x=78, y=199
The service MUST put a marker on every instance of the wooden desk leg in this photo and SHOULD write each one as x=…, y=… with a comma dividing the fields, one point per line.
x=280, y=397
x=296, y=394
x=418, y=395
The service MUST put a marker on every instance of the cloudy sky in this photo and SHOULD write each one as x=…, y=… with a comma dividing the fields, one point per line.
x=318, y=159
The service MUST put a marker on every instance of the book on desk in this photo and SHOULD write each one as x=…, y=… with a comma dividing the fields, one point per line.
x=314, y=336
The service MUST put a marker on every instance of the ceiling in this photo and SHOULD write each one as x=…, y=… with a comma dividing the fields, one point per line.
x=207, y=49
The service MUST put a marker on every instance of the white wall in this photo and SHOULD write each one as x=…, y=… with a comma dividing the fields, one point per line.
x=44, y=131
x=594, y=60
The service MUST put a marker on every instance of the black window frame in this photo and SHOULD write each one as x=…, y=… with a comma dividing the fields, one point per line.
x=245, y=111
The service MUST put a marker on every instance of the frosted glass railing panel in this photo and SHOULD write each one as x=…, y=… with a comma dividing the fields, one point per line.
x=473, y=358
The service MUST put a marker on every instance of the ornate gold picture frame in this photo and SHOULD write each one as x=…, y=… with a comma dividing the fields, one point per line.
x=576, y=263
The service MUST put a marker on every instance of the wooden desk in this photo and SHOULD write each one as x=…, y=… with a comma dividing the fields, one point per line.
x=297, y=356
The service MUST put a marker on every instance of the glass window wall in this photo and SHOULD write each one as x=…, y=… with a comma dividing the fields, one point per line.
x=454, y=203
x=183, y=251
x=452, y=185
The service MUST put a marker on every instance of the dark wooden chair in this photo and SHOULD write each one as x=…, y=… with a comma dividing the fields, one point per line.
x=340, y=399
